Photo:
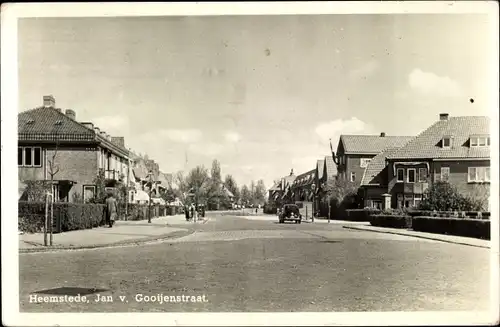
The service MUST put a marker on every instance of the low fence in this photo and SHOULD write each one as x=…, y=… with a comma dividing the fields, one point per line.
x=469, y=224
x=133, y=211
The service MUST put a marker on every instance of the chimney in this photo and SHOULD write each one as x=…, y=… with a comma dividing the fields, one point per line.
x=49, y=101
x=443, y=116
x=71, y=114
x=382, y=134
x=88, y=125
x=97, y=130
x=118, y=140
x=103, y=134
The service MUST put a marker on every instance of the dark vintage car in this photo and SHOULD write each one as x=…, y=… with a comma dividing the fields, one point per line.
x=290, y=212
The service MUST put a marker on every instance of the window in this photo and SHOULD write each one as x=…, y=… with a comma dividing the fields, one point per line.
x=422, y=174
x=37, y=157
x=29, y=156
x=353, y=176
x=19, y=156
x=377, y=204
x=418, y=199
x=446, y=142
x=479, y=174
x=400, y=174
x=445, y=174
x=88, y=192
x=364, y=162
x=479, y=141
x=412, y=175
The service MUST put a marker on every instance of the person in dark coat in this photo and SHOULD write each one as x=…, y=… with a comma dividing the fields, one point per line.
x=111, y=210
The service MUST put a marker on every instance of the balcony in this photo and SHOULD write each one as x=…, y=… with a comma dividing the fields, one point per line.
x=415, y=188
x=112, y=175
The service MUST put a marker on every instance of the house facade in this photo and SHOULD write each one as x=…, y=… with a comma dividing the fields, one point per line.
x=53, y=145
x=355, y=152
x=301, y=186
x=453, y=149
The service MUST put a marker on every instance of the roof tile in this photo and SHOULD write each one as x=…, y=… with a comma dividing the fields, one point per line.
x=371, y=144
x=427, y=144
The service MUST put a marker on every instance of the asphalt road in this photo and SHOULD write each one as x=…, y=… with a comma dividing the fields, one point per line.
x=236, y=264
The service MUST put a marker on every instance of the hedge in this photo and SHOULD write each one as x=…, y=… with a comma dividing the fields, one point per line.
x=67, y=216
x=392, y=221
x=477, y=228
x=360, y=214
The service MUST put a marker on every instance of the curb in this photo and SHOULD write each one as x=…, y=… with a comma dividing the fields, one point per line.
x=143, y=241
x=417, y=236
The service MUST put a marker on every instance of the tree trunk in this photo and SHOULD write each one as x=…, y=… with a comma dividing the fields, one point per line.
x=45, y=242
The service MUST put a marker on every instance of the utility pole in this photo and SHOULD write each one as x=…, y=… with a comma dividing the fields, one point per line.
x=150, y=189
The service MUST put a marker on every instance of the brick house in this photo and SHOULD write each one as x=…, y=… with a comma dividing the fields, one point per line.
x=374, y=182
x=301, y=186
x=78, y=150
x=453, y=149
x=354, y=153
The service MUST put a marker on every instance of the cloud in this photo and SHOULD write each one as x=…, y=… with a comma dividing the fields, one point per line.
x=181, y=135
x=207, y=149
x=232, y=137
x=431, y=84
x=335, y=128
x=112, y=124
x=365, y=70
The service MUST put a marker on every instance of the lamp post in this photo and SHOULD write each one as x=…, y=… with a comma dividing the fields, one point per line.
x=150, y=189
x=313, y=190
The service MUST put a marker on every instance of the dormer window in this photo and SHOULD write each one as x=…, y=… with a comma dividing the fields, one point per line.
x=58, y=122
x=479, y=141
x=446, y=142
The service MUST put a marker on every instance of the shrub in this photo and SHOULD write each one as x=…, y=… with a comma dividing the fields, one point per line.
x=442, y=196
x=360, y=214
x=31, y=216
x=67, y=216
x=460, y=227
x=392, y=221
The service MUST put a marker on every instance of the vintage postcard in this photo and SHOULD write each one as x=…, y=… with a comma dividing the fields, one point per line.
x=305, y=163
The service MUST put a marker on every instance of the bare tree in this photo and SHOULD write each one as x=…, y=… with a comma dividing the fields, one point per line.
x=52, y=169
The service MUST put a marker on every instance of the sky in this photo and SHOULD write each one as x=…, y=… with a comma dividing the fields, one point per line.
x=261, y=94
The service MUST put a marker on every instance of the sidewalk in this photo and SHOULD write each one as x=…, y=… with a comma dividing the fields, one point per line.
x=430, y=236
x=122, y=233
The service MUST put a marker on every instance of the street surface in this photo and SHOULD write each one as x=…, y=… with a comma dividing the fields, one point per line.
x=240, y=264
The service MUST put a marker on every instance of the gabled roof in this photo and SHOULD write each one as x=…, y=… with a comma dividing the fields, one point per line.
x=371, y=144
x=140, y=172
x=50, y=124
x=372, y=173
x=427, y=145
x=320, y=167
x=276, y=187
x=305, y=178
x=45, y=122
x=163, y=179
x=331, y=167
x=228, y=192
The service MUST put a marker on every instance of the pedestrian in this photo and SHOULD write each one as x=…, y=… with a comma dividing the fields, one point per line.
x=111, y=209
x=256, y=210
x=195, y=213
